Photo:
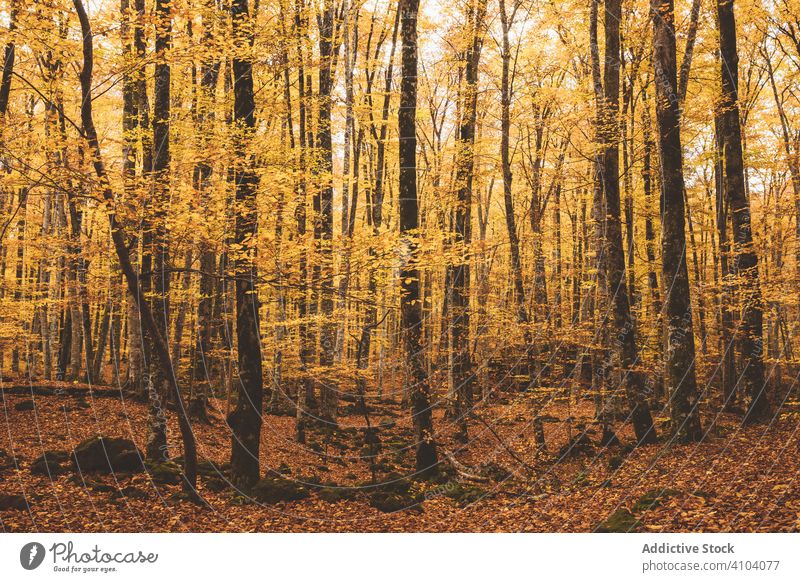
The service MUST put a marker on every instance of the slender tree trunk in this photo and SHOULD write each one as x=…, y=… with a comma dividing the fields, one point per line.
x=134, y=286
x=506, y=91
x=746, y=262
x=459, y=308
x=157, y=437
x=410, y=307
x=684, y=411
x=245, y=420
x=328, y=48
x=623, y=322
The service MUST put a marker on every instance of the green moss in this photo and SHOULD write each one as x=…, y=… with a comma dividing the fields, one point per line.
x=621, y=521
x=277, y=489
x=653, y=499
x=463, y=494
x=165, y=472
x=390, y=502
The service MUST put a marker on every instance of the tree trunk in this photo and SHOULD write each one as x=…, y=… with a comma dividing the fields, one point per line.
x=459, y=273
x=121, y=248
x=623, y=322
x=685, y=416
x=157, y=437
x=750, y=338
x=245, y=420
x=410, y=306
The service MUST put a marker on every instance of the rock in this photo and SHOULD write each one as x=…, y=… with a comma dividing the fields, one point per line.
x=391, y=502
x=333, y=493
x=463, y=494
x=276, y=489
x=107, y=455
x=393, y=494
x=82, y=403
x=50, y=463
x=164, y=472
x=615, y=462
x=12, y=502
x=621, y=521
x=23, y=405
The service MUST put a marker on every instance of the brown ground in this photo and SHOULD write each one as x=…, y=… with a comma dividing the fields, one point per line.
x=737, y=480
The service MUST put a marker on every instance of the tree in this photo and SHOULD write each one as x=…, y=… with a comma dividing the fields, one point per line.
x=620, y=305
x=120, y=246
x=680, y=354
x=245, y=420
x=750, y=337
x=410, y=306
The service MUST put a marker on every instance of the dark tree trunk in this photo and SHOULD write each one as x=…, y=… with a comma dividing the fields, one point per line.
x=410, y=306
x=209, y=76
x=305, y=391
x=245, y=420
x=328, y=48
x=459, y=274
x=157, y=438
x=8, y=66
x=506, y=90
x=750, y=338
x=728, y=354
x=623, y=322
x=680, y=354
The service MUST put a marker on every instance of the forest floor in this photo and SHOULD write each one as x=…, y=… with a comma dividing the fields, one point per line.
x=738, y=479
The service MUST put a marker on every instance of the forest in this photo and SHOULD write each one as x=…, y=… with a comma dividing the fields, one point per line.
x=399, y=265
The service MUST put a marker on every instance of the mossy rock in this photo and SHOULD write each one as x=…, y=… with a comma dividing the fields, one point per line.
x=284, y=469
x=621, y=521
x=82, y=403
x=653, y=499
x=463, y=494
x=107, y=455
x=164, y=472
x=276, y=489
x=309, y=480
x=50, y=463
x=24, y=405
x=391, y=502
x=392, y=483
x=615, y=462
x=205, y=467
x=333, y=493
